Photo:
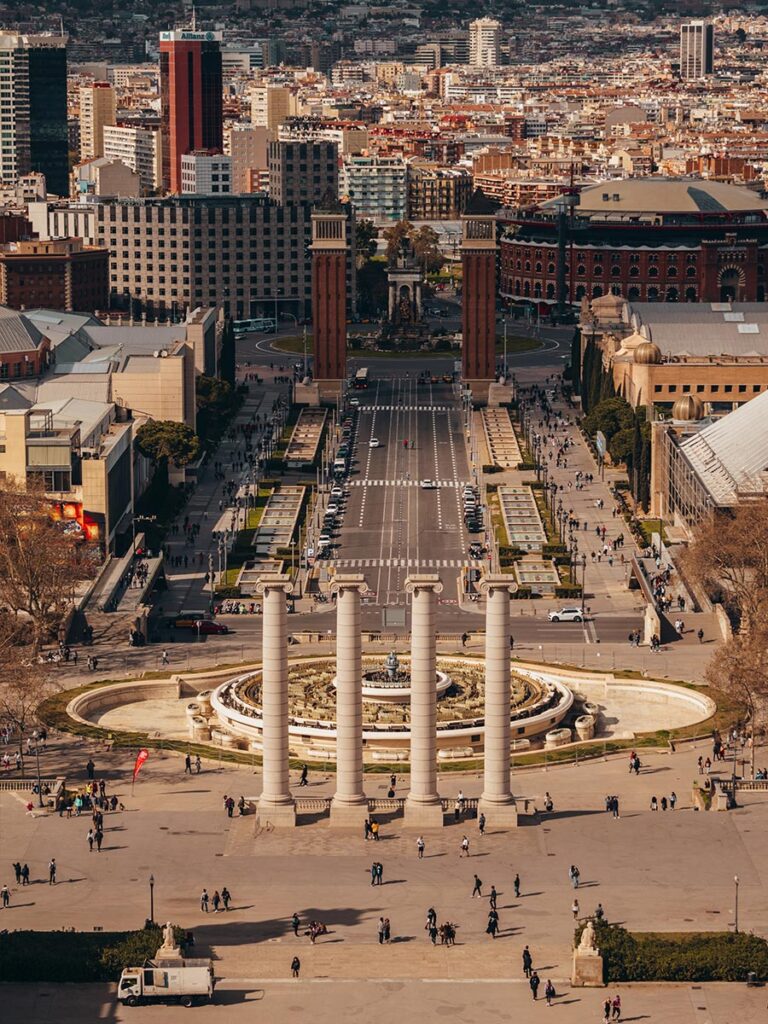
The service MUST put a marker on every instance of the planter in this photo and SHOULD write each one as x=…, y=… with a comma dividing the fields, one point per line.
x=585, y=727
x=557, y=738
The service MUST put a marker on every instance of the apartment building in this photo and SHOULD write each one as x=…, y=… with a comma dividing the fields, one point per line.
x=140, y=149
x=377, y=186
x=437, y=193
x=98, y=108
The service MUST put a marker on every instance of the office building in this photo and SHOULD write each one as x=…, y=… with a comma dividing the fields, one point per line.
x=61, y=272
x=302, y=172
x=33, y=112
x=98, y=107
x=138, y=148
x=697, y=49
x=206, y=174
x=376, y=186
x=271, y=105
x=191, y=98
x=247, y=146
x=484, y=43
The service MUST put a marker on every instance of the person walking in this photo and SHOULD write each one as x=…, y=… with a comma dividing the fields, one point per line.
x=51, y=871
x=17, y=872
x=226, y=897
x=481, y=824
x=379, y=873
x=216, y=901
x=295, y=967
x=464, y=847
x=295, y=923
x=574, y=874
x=534, y=982
x=607, y=1010
x=654, y=804
x=99, y=837
x=575, y=909
x=616, y=1007
x=204, y=901
x=492, y=898
x=420, y=847
x=527, y=962
x=188, y=765
x=164, y=658
x=549, y=992
x=380, y=930
x=5, y=896
x=303, y=778
x=493, y=924
x=672, y=800
x=516, y=884
x=198, y=764
x=90, y=768
x=478, y=888
x=89, y=839
x=25, y=875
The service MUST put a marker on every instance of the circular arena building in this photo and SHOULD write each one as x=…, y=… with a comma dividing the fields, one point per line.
x=648, y=239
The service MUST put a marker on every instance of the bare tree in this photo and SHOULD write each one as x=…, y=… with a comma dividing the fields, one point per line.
x=25, y=680
x=729, y=554
x=40, y=563
x=739, y=671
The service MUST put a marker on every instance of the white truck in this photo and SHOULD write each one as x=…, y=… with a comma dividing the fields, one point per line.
x=188, y=983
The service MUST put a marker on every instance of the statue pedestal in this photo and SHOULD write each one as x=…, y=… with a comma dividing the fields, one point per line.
x=423, y=815
x=501, y=815
x=169, y=957
x=587, y=970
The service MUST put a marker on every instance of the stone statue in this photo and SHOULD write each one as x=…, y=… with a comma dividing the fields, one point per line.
x=392, y=664
x=587, y=945
x=168, y=939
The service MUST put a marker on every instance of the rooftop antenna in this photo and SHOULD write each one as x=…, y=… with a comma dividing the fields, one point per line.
x=61, y=23
x=194, y=19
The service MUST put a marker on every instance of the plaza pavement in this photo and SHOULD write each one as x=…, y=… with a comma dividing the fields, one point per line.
x=660, y=871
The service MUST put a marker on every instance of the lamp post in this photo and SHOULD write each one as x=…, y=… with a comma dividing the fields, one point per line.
x=151, y=899
x=736, y=911
x=39, y=780
x=583, y=582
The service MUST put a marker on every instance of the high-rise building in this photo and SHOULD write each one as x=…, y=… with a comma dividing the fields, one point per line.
x=376, y=186
x=191, y=98
x=303, y=172
x=247, y=145
x=697, y=49
x=140, y=149
x=33, y=109
x=98, y=107
x=484, y=42
x=271, y=105
x=206, y=174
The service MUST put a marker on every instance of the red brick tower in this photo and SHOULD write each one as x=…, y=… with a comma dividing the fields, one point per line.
x=329, y=291
x=478, y=260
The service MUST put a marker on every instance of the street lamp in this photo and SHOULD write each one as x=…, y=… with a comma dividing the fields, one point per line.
x=151, y=899
x=39, y=780
x=583, y=582
x=736, y=912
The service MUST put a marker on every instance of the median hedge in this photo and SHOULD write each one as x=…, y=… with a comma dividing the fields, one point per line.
x=679, y=956
x=71, y=956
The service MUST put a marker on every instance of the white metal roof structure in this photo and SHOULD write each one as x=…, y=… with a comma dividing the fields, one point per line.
x=730, y=456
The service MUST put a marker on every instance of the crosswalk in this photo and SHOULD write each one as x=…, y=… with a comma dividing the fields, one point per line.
x=357, y=482
x=407, y=408
x=402, y=563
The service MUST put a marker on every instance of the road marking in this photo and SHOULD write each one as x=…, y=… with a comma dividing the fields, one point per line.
x=590, y=633
x=406, y=408
x=402, y=563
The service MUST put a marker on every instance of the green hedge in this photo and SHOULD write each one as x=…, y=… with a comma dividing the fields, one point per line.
x=568, y=590
x=550, y=550
x=526, y=467
x=76, y=956
x=679, y=956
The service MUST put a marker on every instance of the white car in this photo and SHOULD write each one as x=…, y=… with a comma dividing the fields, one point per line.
x=337, y=493
x=428, y=485
x=374, y=443
x=566, y=615
x=332, y=510
x=354, y=401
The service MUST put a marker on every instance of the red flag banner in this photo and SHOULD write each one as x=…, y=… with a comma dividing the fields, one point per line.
x=141, y=757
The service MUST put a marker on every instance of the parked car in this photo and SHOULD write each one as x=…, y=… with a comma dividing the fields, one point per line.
x=207, y=627
x=566, y=615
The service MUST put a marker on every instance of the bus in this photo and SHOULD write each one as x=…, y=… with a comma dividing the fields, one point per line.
x=261, y=325
x=361, y=379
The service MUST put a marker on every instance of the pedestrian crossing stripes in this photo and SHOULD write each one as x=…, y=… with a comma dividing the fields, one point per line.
x=407, y=408
x=402, y=563
x=357, y=482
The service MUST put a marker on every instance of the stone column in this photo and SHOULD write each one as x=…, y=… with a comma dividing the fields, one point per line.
x=497, y=802
x=349, y=807
x=423, y=808
x=276, y=802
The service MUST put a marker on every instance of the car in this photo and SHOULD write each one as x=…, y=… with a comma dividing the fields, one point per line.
x=374, y=443
x=447, y=378
x=475, y=527
x=428, y=485
x=354, y=401
x=332, y=509
x=475, y=550
x=566, y=615
x=337, y=492
x=207, y=627
x=324, y=540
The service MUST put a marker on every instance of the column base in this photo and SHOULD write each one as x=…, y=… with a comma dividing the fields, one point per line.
x=498, y=815
x=282, y=815
x=348, y=815
x=423, y=815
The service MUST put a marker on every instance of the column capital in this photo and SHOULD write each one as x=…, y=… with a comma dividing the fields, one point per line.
x=497, y=581
x=274, y=581
x=349, y=581
x=424, y=581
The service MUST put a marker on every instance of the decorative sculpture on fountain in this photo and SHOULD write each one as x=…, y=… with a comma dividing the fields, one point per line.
x=392, y=665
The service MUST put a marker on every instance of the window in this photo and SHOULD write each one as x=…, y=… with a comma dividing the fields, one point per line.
x=672, y=388
x=686, y=389
x=728, y=388
x=657, y=389
x=742, y=388
x=699, y=389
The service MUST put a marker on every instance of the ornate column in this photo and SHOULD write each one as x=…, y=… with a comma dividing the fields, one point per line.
x=276, y=802
x=349, y=807
x=423, y=808
x=497, y=802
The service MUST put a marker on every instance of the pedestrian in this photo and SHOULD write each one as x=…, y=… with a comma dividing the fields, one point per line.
x=481, y=824
x=198, y=764
x=89, y=839
x=464, y=847
x=99, y=837
x=374, y=873
x=493, y=924
x=534, y=982
x=380, y=931
x=478, y=888
x=216, y=901
x=493, y=897
x=25, y=875
x=188, y=765
x=420, y=847
x=295, y=967
x=672, y=800
x=663, y=803
x=5, y=896
x=607, y=1010
x=549, y=992
x=375, y=829
x=700, y=635
x=295, y=923
x=574, y=874
x=654, y=804
x=226, y=897
x=527, y=962
x=575, y=909
x=51, y=871
x=616, y=1007
x=387, y=930
x=17, y=872
x=516, y=884
x=303, y=778
x=599, y=912
x=549, y=804
x=204, y=900
x=164, y=658
x=90, y=768
x=379, y=873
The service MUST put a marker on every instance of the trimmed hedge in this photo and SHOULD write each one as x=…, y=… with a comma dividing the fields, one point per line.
x=76, y=956
x=679, y=956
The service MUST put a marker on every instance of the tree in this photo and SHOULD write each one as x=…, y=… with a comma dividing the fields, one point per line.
x=213, y=393
x=24, y=681
x=166, y=440
x=609, y=416
x=40, y=565
x=366, y=236
x=729, y=557
x=426, y=248
x=620, y=446
x=395, y=236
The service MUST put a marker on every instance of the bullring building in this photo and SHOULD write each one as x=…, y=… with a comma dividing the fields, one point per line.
x=648, y=239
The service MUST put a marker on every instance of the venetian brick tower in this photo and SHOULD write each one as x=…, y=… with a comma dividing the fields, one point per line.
x=478, y=260
x=329, y=292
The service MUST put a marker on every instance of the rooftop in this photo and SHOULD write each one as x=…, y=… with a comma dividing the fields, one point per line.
x=666, y=195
